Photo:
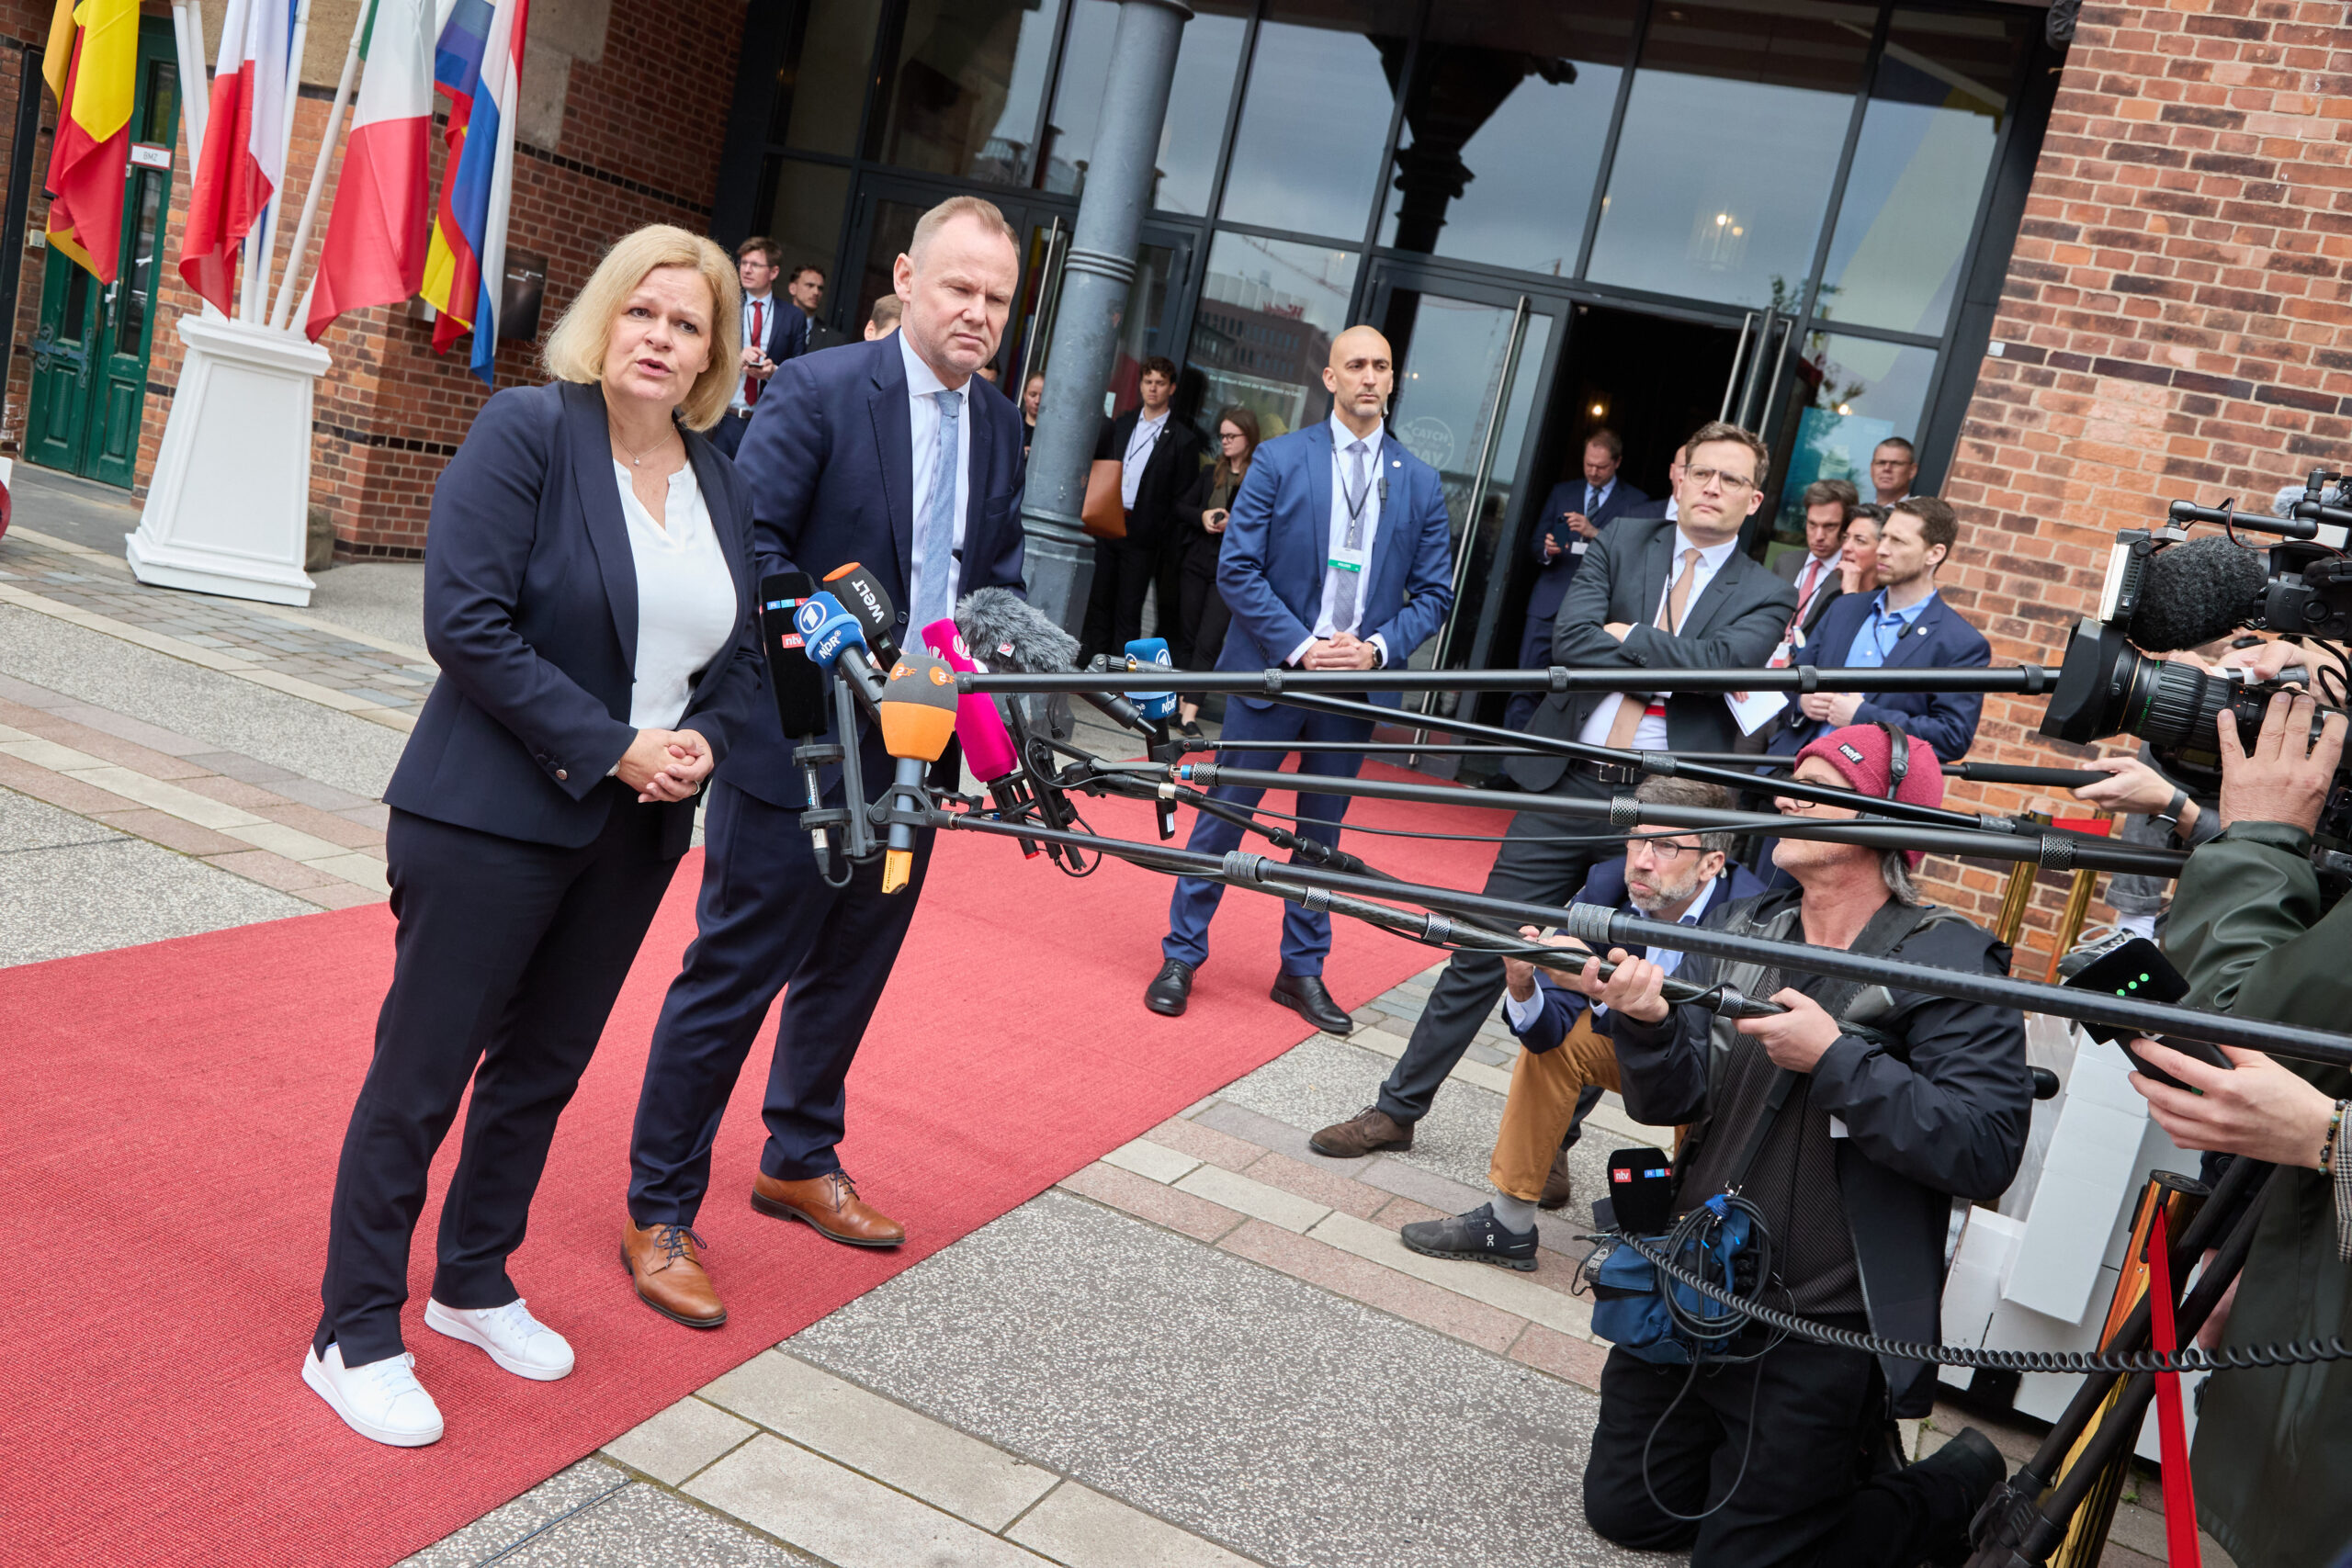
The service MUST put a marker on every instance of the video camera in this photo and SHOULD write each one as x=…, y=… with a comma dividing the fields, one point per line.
x=2165, y=593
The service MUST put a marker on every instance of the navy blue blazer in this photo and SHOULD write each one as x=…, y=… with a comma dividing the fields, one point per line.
x=829, y=457
x=1551, y=576
x=1605, y=886
x=530, y=610
x=1277, y=543
x=1942, y=639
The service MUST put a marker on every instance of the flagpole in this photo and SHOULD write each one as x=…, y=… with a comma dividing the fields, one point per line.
x=196, y=92
x=285, y=150
x=281, y=314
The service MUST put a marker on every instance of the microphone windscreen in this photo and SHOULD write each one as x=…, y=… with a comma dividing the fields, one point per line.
x=826, y=628
x=980, y=728
x=863, y=596
x=1151, y=653
x=799, y=683
x=2195, y=592
x=999, y=627
x=918, y=707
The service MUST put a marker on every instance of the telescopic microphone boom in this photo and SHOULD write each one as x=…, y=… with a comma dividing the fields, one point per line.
x=918, y=713
x=862, y=595
x=999, y=627
x=2192, y=594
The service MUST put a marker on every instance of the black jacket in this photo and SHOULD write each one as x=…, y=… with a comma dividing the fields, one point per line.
x=1174, y=462
x=1735, y=624
x=1940, y=1115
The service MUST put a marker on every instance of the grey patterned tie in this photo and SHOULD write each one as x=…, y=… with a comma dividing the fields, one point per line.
x=1356, y=496
x=934, y=594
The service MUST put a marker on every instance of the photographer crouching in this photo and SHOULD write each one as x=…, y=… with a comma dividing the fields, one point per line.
x=2249, y=934
x=1786, y=1457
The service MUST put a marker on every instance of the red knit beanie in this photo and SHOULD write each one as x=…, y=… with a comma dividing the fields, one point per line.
x=1861, y=752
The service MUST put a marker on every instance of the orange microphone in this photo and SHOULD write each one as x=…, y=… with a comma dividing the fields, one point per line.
x=918, y=712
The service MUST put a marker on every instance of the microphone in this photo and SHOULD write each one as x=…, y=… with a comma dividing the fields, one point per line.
x=834, y=640
x=2191, y=593
x=1151, y=653
x=863, y=596
x=999, y=627
x=918, y=712
x=980, y=729
x=797, y=683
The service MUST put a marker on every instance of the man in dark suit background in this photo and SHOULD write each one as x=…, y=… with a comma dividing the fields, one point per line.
x=1652, y=594
x=1573, y=516
x=1335, y=556
x=1828, y=506
x=773, y=332
x=1158, y=457
x=1904, y=624
x=895, y=455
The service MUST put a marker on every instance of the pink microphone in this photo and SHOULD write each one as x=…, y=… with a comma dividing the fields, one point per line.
x=980, y=728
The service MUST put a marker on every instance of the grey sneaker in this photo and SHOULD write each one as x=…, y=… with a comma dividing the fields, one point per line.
x=1477, y=1237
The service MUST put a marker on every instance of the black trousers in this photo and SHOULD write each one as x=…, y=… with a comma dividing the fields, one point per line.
x=1821, y=1486
x=507, y=962
x=1544, y=859
x=1202, y=617
x=765, y=920
x=1123, y=569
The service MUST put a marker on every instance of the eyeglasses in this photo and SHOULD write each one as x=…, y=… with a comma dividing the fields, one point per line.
x=1230, y=435
x=1703, y=478
x=1664, y=851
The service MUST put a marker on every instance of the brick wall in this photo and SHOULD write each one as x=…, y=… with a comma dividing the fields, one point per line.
x=2171, y=326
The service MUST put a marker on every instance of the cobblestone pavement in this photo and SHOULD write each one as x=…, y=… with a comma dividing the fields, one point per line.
x=1207, y=1349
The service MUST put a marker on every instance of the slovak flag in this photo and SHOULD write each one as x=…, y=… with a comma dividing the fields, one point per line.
x=376, y=242
x=245, y=142
x=479, y=68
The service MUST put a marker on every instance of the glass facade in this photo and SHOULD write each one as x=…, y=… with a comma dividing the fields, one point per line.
x=1810, y=176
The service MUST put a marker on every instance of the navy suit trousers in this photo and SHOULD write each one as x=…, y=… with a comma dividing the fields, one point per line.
x=1305, y=937
x=728, y=434
x=766, y=921
x=506, y=964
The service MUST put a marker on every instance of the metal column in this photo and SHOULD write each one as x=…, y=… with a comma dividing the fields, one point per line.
x=1095, y=281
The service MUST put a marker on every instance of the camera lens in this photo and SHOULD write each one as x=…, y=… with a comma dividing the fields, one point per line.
x=2171, y=703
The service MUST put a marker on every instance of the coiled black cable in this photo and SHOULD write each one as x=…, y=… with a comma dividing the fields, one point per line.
x=2239, y=1358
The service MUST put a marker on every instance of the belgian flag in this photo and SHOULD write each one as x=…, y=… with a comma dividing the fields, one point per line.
x=92, y=66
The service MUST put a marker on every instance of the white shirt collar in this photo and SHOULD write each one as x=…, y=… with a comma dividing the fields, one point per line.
x=1710, y=557
x=1343, y=437
x=1689, y=916
x=759, y=299
x=921, y=380
x=1152, y=421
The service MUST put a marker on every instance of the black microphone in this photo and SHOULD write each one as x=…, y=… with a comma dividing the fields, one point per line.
x=799, y=685
x=863, y=595
x=999, y=627
x=2192, y=594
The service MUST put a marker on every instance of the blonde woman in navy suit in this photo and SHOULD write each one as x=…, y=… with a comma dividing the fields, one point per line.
x=588, y=596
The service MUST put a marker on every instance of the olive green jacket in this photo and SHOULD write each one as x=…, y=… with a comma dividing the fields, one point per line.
x=2274, y=1448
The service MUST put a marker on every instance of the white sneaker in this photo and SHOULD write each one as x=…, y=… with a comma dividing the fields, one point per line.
x=516, y=1340
x=381, y=1400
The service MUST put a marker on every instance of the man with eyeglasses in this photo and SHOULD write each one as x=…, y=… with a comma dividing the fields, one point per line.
x=1567, y=1060
x=1654, y=595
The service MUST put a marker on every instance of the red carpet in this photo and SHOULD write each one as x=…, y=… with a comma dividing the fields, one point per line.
x=173, y=1114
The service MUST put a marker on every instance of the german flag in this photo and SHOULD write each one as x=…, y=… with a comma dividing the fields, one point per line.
x=92, y=67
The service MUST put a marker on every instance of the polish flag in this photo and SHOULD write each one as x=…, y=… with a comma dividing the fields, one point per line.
x=375, y=242
x=244, y=136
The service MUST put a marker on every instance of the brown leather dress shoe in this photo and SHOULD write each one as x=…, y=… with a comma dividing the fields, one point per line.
x=1559, y=1186
x=663, y=1262
x=830, y=1205
x=1369, y=1130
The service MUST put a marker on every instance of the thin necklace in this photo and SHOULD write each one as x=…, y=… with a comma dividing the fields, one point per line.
x=636, y=458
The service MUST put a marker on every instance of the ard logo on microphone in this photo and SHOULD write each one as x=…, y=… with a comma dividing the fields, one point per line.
x=809, y=617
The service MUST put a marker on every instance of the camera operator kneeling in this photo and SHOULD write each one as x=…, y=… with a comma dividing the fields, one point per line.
x=2249, y=934
x=1787, y=1459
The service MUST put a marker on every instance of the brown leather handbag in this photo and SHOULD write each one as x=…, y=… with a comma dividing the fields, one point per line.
x=1103, y=513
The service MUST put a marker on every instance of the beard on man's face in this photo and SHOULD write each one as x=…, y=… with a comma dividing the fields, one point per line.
x=1662, y=893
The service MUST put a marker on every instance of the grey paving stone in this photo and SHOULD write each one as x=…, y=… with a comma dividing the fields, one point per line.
x=89, y=897
x=502, y=1527
x=644, y=1527
x=1320, y=1082
x=1240, y=1122
x=383, y=599
x=311, y=793
x=83, y=511
x=231, y=764
x=1227, y=1399
x=29, y=824
x=124, y=727
x=226, y=713
x=674, y=1443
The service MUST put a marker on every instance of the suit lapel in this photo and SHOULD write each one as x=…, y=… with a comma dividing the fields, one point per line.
x=894, y=447
x=1701, y=614
x=1393, y=548
x=1656, y=559
x=600, y=505
x=1319, y=495
x=1912, y=646
x=706, y=461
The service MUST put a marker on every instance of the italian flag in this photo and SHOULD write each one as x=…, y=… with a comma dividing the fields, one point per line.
x=243, y=159
x=376, y=240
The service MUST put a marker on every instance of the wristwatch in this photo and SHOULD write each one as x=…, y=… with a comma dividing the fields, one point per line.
x=2170, y=815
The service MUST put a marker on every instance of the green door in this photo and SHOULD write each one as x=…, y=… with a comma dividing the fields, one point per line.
x=89, y=384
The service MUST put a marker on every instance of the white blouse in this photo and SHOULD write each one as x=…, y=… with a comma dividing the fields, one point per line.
x=686, y=610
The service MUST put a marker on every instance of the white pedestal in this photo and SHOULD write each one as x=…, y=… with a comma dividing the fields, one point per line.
x=228, y=510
